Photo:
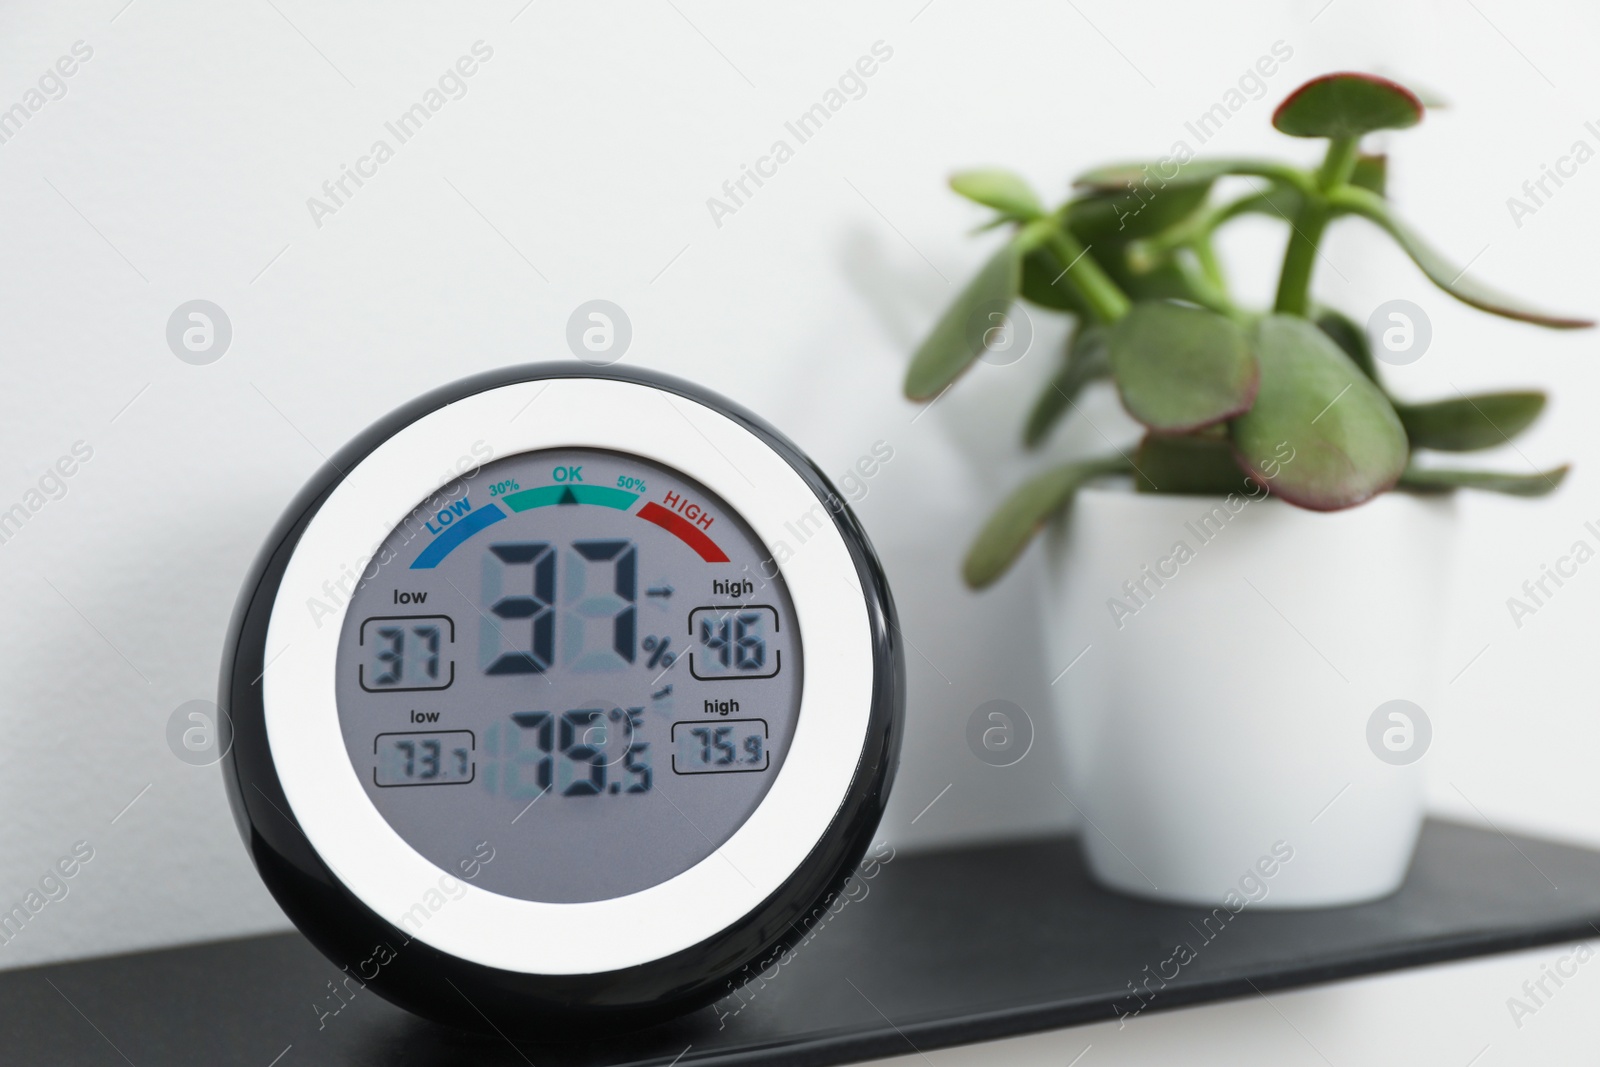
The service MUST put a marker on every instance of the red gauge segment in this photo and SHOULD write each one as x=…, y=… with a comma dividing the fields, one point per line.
x=683, y=530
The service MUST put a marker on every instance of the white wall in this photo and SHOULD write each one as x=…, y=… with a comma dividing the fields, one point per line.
x=578, y=165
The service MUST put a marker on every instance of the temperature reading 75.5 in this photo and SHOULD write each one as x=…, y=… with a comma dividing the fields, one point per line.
x=582, y=752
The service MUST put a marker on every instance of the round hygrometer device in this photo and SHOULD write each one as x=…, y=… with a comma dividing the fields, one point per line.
x=561, y=696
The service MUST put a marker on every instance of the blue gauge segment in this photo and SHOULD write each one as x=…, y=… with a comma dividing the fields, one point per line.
x=455, y=534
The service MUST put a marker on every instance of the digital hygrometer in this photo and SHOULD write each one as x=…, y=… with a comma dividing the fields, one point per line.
x=561, y=696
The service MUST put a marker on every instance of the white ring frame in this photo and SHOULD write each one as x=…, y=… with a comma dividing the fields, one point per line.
x=391, y=877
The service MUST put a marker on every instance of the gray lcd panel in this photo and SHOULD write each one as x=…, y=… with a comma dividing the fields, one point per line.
x=579, y=663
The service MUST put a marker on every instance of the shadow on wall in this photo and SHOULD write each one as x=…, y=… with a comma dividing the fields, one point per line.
x=980, y=759
x=121, y=640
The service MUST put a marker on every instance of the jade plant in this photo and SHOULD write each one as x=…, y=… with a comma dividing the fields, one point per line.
x=1225, y=393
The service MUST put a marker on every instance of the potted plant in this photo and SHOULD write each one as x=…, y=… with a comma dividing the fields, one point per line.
x=1249, y=633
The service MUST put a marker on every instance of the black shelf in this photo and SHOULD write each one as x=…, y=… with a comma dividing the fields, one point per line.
x=942, y=949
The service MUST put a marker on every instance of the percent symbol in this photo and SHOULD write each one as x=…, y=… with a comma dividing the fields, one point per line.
x=659, y=655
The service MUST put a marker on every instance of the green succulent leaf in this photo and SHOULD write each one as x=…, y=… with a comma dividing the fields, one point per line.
x=1163, y=281
x=1320, y=434
x=1179, y=368
x=1009, y=529
x=1197, y=464
x=1044, y=282
x=1420, y=480
x=1347, y=105
x=1001, y=190
x=1350, y=337
x=1123, y=216
x=1442, y=272
x=958, y=337
x=1086, y=360
x=1115, y=226
x=1152, y=178
x=1468, y=423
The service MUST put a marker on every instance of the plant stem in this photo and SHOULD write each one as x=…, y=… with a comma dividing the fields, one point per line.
x=1306, y=228
x=1293, y=177
x=1338, y=164
x=1199, y=228
x=1207, y=255
x=1294, y=282
x=1203, y=290
x=1105, y=299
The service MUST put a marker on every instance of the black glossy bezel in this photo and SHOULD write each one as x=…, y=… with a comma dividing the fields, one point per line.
x=439, y=986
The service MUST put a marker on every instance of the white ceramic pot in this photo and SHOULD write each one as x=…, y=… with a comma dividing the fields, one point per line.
x=1222, y=732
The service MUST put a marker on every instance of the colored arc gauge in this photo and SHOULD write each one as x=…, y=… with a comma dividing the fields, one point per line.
x=569, y=492
x=541, y=715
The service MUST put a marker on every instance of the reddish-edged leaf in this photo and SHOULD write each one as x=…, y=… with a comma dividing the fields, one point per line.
x=1468, y=423
x=1442, y=272
x=1086, y=360
x=1194, y=464
x=1020, y=516
x=1179, y=368
x=1539, y=483
x=1347, y=105
x=1320, y=434
x=954, y=342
